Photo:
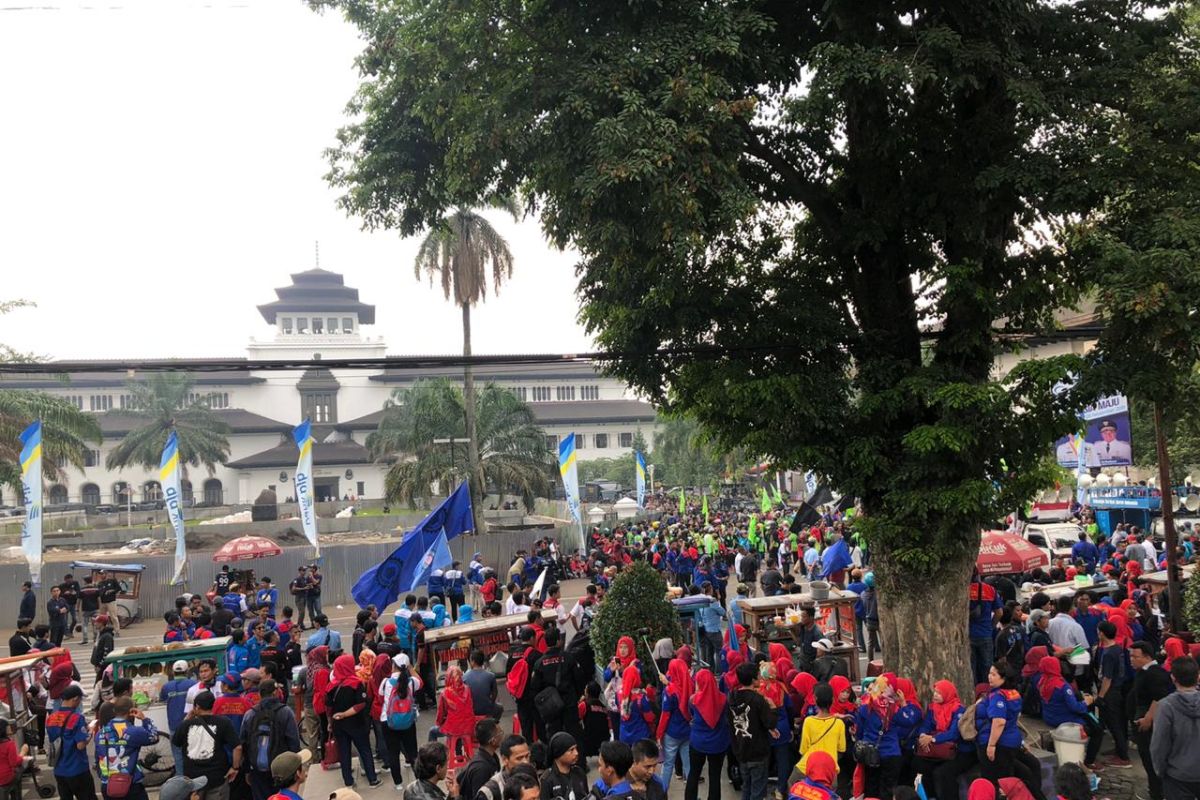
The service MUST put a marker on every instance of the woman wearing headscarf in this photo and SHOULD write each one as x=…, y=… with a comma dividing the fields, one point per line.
x=663, y=652
x=439, y=616
x=455, y=711
x=743, y=642
x=466, y=614
x=1174, y=648
x=820, y=773
x=685, y=655
x=1120, y=620
x=637, y=713
x=346, y=700
x=942, y=754
x=316, y=681
x=675, y=722
x=804, y=683
x=998, y=737
x=844, y=702
x=908, y=719
x=773, y=690
x=710, y=736
x=733, y=659
x=1060, y=705
x=875, y=725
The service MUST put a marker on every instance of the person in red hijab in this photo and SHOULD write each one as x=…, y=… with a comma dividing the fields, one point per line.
x=636, y=711
x=820, y=773
x=804, y=683
x=346, y=699
x=942, y=755
x=844, y=704
x=733, y=659
x=743, y=643
x=674, y=724
x=710, y=737
x=1175, y=648
x=456, y=713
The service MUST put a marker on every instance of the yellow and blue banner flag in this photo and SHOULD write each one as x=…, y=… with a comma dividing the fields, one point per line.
x=640, y=468
x=31, y=485
x=568, y=468
x=168, y=478
x=305, y=501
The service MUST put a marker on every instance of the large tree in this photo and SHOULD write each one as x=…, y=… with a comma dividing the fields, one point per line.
x=464, y=253
x=809, y=224
x=512, y=453
x=162, y=402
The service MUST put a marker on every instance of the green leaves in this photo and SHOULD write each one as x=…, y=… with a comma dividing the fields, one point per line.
x=160, y=404
x=636, y=600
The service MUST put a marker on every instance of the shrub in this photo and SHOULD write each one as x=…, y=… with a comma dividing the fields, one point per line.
x=636, y=601
x=1191, y=604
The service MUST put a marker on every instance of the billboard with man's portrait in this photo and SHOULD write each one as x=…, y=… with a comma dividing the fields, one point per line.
x=1107, y=441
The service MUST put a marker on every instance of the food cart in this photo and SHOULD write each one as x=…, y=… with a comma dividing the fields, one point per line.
x=1066, y=589
x=451, y=643
x=149, y=667
x=17, y=675
x=764, y=620
x=130, y=578
x=1156, y=582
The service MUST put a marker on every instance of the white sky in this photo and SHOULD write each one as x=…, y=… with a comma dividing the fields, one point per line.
x=161, y=173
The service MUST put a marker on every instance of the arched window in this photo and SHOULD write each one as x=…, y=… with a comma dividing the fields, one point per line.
x=214, y=493
x=185, y=488
x=58, y=494
x=121, y=493
x=152, y=490
x=89, y=494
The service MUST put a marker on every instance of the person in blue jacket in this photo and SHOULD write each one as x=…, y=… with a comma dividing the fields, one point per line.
x=436, y=585
x=1060, y=705
x=908, y=719
x=174, y=693
x=998, y=737
x=69, y=730
x=119, y=743
x=238, y=656
x=675, y=723
x=267, y=596
x=874, y=723
x=456, y=588
x=711, y=737
x=635, y=707
x=939, y=731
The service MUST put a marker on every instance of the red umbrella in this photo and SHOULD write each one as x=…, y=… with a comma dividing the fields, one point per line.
x=245, y=548
x=1008, y=554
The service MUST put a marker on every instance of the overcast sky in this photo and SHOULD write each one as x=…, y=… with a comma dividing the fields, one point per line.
x=161, y=173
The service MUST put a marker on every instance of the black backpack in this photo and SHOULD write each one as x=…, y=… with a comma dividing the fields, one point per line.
x=263, y=738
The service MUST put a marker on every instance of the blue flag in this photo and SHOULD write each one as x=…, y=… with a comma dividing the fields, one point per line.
x=836, y=557
x=436, y=557
x=382, y=584
x=734, y=644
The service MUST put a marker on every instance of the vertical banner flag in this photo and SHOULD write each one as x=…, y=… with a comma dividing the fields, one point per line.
x=569, y=469
x=168, y=478
x=682, y=502
x=640, y=467
x=31, y=485
x=764, y=502
x=302, y=433
x=422, y=549
x=704, y=508
x=778, y=495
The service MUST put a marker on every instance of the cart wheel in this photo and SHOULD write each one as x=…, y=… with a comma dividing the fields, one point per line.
x=46, y=791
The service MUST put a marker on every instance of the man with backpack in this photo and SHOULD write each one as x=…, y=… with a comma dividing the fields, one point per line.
x=68, y=731
x=268, y=729
x=175, y=693
x=210, y=747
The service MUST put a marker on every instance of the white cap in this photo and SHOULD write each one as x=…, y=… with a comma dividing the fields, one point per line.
x=401, y=660
x=823, y=644
x=180, y=666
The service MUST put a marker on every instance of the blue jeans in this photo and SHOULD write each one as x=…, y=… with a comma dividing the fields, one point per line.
x=177, y=752
x=982, y=658
x=783, y=764
x=671, y=746
x=754, y=780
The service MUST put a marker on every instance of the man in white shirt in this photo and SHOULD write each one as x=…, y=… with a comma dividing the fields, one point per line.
x=1067, y=634
x=584, y=607
x=1150, y=563
x=737, y=562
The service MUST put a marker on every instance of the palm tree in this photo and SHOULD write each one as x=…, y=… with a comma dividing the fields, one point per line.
x=66, y=433
x=461, y=252
x=512, y=448
x=161, y=404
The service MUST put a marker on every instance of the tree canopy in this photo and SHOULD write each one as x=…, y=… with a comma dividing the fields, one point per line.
x=848, y=207
x=160, y=404
x=513, y=454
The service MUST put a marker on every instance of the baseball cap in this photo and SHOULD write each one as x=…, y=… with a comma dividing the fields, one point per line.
x=179, y=666
x=251, y=675
x=389, y=629
x=102, y=619
x=181, y=788
x=232, y=680
x=71, y=692
x=823, y=644
x=284, y=765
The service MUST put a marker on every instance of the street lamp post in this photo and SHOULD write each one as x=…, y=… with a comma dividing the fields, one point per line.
x=452, y=442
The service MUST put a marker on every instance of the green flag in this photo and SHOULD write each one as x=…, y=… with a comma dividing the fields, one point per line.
x=704, y=508
x=778, y=495
x=750, y=532
x=764, y=503
x=682, y=502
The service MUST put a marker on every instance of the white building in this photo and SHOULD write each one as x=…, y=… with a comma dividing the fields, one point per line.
x=318, y=317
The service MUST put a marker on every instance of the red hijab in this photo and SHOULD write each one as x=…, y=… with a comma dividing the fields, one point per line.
x=679, y=683
x=769, y=685
x=820, y=768
x=839, y=684
x=776, y=651
x=981, y=789
x=1120, y=621
x=909, y=692
x=1051, y=669
x=344, y=673
x=943, y=712
x=804, y=683
x=743, y=643
x=684, y=654
x=631, y=685
x=1175, y=649
x=626, y=643
x=733, y=659
x=61, y=675
x=708, y=699
x=1032, y=659
x=459, y=717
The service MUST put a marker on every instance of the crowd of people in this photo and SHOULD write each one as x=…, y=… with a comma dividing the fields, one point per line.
x=782, y=719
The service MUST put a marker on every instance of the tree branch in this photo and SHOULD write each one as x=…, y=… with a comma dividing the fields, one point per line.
x=812, y=195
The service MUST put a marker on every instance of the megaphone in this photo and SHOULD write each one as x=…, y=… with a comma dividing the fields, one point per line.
x=1085, y=481
x=1192, y=503
x=1119, y=479
x=1103, y=481
x=1152, y=481
x=1174, y=502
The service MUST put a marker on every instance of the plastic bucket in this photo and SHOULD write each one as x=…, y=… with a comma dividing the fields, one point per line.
x=1069, y=744
x=819, y=590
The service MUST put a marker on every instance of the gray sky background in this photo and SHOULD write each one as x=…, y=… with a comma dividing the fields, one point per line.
x=162, y=166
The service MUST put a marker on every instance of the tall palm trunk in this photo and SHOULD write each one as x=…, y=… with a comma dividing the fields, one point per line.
x=473, y=476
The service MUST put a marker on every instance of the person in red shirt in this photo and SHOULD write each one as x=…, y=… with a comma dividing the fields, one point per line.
x=12, y=762
x=489, y=588
x=232, y=704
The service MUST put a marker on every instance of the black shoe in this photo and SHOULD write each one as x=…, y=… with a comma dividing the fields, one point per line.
x=375, y=784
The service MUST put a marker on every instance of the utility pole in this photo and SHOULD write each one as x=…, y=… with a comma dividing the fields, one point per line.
x=1174, y=598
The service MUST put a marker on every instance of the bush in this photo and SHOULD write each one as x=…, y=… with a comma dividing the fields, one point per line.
x=1191, y=604
x=636, y=601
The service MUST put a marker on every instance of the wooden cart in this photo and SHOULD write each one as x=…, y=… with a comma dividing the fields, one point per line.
x=450, y=643
x=1156, y=582
x=1067, y=589
x=149, y=667
x=835, y=616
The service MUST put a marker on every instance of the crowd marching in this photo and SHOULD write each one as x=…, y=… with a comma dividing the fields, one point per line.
x=782, y=718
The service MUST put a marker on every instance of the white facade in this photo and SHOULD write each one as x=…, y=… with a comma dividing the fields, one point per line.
x=261, y=407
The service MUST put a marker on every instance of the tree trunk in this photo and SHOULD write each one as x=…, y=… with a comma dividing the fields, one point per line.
x=925, y=633
x=473, y=481
x=1174, y=596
